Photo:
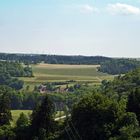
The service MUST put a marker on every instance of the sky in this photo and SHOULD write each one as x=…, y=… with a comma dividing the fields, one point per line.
x=71, y=27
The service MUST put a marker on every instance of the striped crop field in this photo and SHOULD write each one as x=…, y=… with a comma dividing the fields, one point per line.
x=60, y=72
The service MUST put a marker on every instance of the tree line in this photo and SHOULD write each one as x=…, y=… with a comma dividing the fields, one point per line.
x=15, y=69
x=53, y=59
x=112, y=112
x=10, y=71
x=107, y=65
x=119, y=66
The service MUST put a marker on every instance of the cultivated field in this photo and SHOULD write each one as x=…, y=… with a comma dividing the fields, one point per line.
x=59, y=72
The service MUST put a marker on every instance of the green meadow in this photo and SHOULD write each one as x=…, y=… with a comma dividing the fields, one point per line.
x=16, y=114
x=60, y=72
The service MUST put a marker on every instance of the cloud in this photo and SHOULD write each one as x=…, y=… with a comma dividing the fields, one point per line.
x=123, y=9
x=88, y=9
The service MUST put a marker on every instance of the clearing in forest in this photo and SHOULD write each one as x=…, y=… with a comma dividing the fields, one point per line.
x=61, y=72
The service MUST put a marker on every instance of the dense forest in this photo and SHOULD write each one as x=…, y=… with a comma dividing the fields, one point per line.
x=15, y=69
x=53, y=59
x=119, y=66
x=9, y=71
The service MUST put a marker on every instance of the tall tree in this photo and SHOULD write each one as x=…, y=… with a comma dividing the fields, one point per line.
x=22, y=127
x=5, y=114
x=98, y=117
x=133, y=104
x=42, y=117
x=22, y=121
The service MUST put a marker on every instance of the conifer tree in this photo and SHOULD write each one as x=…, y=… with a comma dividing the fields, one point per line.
x=42, y=117
x=5, y=114
x=22, y=121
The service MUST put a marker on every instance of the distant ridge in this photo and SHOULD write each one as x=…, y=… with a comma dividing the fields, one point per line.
x=53, y=59
x=57, y=59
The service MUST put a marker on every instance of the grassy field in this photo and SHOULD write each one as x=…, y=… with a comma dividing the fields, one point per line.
x=16, y=114
x=59, y=72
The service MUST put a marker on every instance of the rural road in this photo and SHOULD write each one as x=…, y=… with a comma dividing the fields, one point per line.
x=62, y=117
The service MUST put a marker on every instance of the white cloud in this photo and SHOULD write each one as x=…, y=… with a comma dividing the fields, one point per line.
x=123, y=9
x=88, y=9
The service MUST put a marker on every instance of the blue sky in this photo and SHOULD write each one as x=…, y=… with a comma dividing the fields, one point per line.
x=71, y=27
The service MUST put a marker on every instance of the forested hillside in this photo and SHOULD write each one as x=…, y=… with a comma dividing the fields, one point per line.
x=9, y=70
x=122, y=86
x=15, y=69
x=119, y=66
x=53, y=59
x=112, y=112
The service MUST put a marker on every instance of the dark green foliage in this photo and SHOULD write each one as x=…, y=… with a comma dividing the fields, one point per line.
x=25, y=100
x=60, y=59
x=6, y=79
x=9, y=70
x=128, y=118
x=128, y=128
x=42, y=120
x=22, y=127
x=28, y=72
x=5, y=114
x=16, y=84
x=53, y=59
x=17, y=100
x=22, y=121
x=95, y=117
x=21, y=100
x=121, y=86
x=119, y=66
x=133, y=104
x=15, y=69
x=7, y=133
x=50, y=86
x=100, y=118
x=29, y=101
x=129, y=132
